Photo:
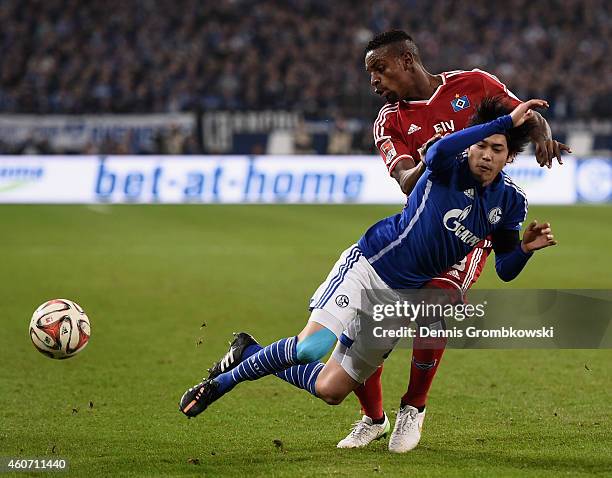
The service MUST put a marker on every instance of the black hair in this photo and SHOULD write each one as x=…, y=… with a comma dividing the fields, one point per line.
x=392, y=37
x=492, y=108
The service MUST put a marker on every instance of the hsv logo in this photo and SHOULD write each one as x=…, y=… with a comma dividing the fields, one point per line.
x=460, y=103
x=452, y=221
x=444, y=127
x=388, y=150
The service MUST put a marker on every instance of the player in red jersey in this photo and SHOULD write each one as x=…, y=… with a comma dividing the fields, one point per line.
x=419, y=106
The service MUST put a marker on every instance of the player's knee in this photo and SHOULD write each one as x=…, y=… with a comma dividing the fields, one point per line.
x=329, y=394
x=332, y=399
x=315, y=346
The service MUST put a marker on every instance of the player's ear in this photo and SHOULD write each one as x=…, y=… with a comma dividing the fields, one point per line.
x=511, y=158
x=407, y=60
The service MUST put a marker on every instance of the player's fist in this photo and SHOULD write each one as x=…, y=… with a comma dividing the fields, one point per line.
x=423, y=149
x=537, y=236
x=523, y=112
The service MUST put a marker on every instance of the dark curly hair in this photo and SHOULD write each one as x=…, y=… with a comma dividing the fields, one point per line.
x=391, y=37
x=492, y=108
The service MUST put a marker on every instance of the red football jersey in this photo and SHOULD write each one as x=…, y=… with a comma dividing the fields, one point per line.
x=402, y=128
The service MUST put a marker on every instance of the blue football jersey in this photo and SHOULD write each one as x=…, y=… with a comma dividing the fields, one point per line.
x=446, y=215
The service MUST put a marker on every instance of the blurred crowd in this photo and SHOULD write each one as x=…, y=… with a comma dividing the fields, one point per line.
x=171, y=140
x=117, y=56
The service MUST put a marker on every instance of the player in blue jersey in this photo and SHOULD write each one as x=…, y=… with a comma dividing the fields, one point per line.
x=462, y=197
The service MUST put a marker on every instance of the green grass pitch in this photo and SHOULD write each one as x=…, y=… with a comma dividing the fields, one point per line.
x=150, y=276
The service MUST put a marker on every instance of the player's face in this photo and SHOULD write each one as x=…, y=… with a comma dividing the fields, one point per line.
x=488, y=157
x=388, y=74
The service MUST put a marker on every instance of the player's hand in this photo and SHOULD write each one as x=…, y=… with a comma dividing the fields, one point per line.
x=547, y=148
x=423, y=149
x=537, y=236
x=523, y=112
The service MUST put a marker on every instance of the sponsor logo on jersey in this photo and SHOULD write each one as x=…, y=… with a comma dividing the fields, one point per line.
x=388, y=150
x=452, y=221
x=460, y=103
x=413, y=129
x=469, y=193
x=495, y=215
x=444, y=127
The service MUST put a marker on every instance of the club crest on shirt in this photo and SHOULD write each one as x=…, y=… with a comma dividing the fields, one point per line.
x=495, y=215
x=469, y=193
x=388, y=150
x=342, y=301
x=460, y=103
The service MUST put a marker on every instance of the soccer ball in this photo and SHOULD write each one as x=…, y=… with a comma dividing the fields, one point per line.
x=59, y=329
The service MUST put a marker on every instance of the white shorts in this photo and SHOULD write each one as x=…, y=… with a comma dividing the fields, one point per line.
x=350, y=288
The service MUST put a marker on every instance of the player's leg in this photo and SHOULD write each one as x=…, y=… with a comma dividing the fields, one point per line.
x=244, y=345
x=426, y=356
x=370, y=396
x=282, y=357
x=329, y=381
x=427, y=352
x=334, y=384
x=374, y=423
x=329, y=317
x=362, y=362
x=302, y=351
x=294, y=359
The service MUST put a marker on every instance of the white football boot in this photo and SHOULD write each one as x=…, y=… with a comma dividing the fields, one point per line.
x=407, y=430
x=365, y=432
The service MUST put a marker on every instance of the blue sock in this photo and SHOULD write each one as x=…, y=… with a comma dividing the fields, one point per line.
x=276, y=357
x=303, y=376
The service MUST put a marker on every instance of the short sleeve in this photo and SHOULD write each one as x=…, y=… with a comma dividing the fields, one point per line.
x=388, y=138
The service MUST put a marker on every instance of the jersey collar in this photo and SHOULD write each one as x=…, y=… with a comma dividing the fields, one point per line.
x=433, y=96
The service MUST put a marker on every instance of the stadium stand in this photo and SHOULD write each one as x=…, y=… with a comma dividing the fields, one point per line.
x=301, y=56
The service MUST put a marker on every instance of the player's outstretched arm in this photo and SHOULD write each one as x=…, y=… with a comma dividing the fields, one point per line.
x=512, y=254
x=442, y=154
